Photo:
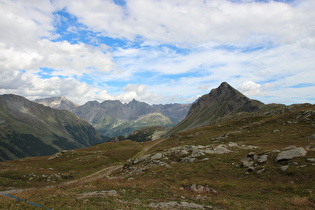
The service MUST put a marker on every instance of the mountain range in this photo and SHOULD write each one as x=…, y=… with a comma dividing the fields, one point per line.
x=114, y=118
x=31, y=129
x=230, y=152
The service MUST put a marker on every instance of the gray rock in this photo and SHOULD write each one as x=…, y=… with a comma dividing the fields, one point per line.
x=182, y=152
x=247, y=162
x=196, y=152
x=284, y=168
x=262, y=158
x=232, y=144
x=276, y=151
x=157, y=156
x=202, y=189
x=260, y=171
x=249, y=147
x=57, y=155
x=292, y=153
x=311, y=159
x=188, y=159
x=140, y=159
x=221, y=149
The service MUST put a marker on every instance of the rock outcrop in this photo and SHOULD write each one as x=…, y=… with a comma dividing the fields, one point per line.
x=291, y=153
x=183, y=154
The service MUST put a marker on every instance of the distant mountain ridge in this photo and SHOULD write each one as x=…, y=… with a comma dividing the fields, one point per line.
x=114, y=118
x=31, y=129
x=58, y=103
x=219, y=103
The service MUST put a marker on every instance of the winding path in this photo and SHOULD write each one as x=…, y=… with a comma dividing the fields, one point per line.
x=92, y=177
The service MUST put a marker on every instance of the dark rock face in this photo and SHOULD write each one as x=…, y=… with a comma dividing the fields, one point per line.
x=31, y=129
x=220, y=102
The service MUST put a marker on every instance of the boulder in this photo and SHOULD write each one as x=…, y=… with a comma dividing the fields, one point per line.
x=221, y=149
x=262, y=158
x=247, y=162
x=292, y=153
x=284, y=168
x=188, y=159
x=157, y=156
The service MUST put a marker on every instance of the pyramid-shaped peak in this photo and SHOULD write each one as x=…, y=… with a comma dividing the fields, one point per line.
x=225, y=85
x=224, y=90
x=219, y=103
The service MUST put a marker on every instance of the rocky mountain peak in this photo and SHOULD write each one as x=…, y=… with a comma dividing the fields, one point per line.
x=220, y=102
x=223, y=88
x=59, y=102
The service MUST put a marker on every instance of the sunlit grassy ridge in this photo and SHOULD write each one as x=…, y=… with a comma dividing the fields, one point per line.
x=235, y=186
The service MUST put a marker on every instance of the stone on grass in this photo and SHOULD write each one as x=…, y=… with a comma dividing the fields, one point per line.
x=247, y=162
x=284, y=168
x=262, y=158
x=292, y=153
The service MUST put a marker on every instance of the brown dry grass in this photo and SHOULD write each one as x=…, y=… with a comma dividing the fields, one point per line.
x=236, y=189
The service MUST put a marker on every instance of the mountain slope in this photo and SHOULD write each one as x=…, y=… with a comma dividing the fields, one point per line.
x=31, y=129
x=220, y=102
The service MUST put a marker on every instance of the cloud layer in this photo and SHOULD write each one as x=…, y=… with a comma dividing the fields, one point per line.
x=157, y=51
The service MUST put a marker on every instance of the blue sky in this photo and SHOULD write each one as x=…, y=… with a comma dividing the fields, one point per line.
x=158, y=51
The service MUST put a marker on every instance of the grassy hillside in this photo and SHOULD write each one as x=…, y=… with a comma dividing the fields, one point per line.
x=200, y=168
x=31, y=129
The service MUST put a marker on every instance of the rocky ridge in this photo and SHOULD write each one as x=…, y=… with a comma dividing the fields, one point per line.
x=114, y=118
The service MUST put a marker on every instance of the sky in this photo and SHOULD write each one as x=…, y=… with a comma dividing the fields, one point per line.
x=157, y=51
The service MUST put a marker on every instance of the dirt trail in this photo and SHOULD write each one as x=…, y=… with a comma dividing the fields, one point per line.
x=97, y=175
x=149, y=146
x=92, y=177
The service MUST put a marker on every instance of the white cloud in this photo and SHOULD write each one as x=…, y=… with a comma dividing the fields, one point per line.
x=220, y=37
x=250, y=88
x=32, y=86
x=198, y=21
